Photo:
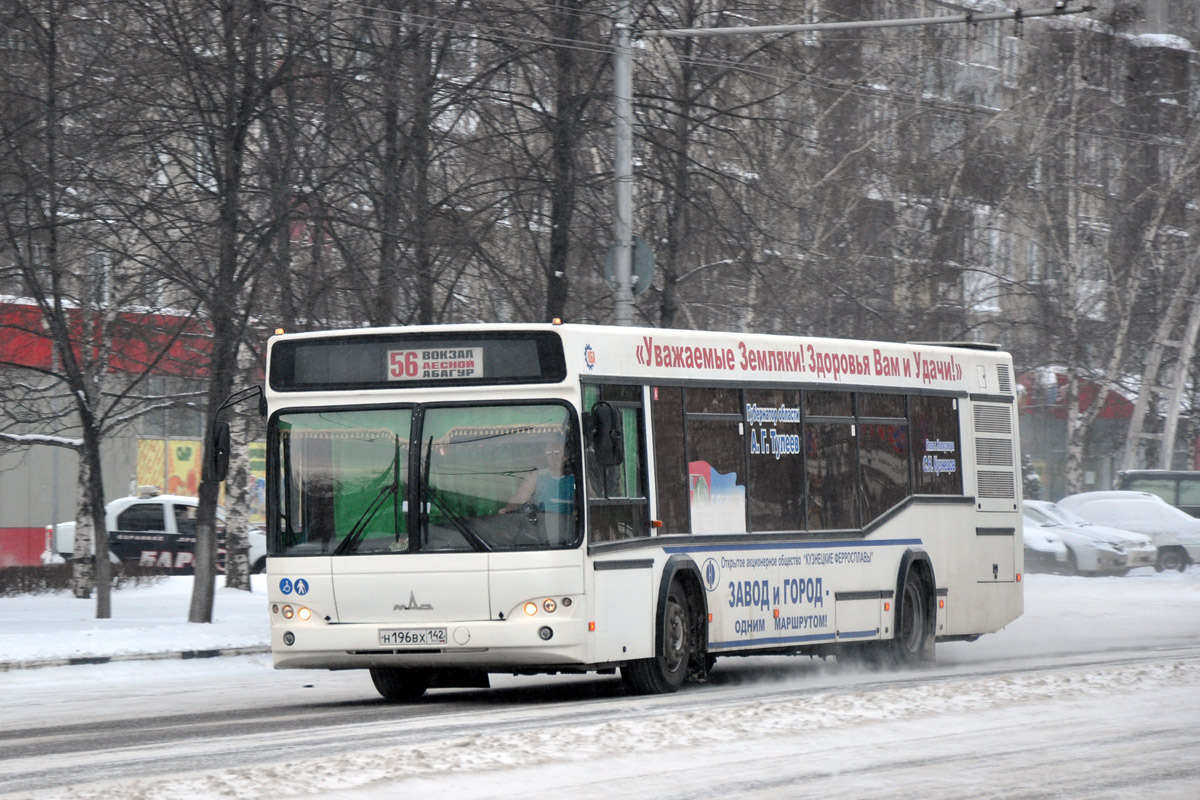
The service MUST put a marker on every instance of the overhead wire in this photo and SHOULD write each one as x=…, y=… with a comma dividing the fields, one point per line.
x=357, y=10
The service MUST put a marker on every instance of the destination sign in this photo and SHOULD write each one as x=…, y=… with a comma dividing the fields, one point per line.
x=404, y=360
x=435, y=364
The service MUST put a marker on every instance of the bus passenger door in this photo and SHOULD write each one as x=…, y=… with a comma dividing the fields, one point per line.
x=617, y=503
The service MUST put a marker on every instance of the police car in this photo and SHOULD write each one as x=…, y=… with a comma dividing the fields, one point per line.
x=158, y=531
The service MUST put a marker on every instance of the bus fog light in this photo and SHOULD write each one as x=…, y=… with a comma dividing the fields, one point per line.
x=549, y=605
x=530, y=609
x=288, y=612
x=289, y=638
x=546, y=633
x=304, y=614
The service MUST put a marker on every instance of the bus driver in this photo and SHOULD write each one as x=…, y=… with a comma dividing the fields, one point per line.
x=549, y=488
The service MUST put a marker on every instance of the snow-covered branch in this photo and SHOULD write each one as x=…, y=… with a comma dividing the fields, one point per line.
x=39, y=438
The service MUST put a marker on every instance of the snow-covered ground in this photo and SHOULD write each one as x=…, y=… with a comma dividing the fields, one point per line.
x=995, y=718
x=1062, y=614
x=47, y=628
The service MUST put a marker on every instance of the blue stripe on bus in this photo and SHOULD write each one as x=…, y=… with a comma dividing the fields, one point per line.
x=812, y=637
x=712, y=548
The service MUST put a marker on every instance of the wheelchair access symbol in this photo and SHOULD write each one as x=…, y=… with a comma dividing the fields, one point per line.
x=286, y=585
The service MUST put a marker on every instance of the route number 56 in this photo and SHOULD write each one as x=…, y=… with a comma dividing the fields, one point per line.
x=403, y=364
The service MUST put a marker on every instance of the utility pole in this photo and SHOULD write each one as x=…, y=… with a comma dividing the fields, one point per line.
x=623, y=106
x=623, y=166
x=1187, y=348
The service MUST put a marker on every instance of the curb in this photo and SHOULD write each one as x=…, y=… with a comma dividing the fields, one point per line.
x=73, y=661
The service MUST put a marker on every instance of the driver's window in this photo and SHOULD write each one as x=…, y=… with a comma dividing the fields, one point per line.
x=617, y=505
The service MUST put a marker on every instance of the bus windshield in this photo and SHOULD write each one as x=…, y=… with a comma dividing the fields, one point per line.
x=489, y=478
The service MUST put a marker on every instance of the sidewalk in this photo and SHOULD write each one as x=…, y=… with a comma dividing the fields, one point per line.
x=148, y=622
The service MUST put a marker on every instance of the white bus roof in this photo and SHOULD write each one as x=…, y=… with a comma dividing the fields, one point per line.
x=661, y=354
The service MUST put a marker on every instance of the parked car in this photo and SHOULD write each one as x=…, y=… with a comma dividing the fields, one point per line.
x=1138, y=547
x=1044, y=549
x=1180, y=488
x=1176, y=534
x=157, y=531
x=1085, y=554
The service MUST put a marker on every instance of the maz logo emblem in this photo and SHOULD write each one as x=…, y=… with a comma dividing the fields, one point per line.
x=413, y=605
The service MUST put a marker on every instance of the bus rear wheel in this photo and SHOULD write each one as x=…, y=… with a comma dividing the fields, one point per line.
x=667, y=670
x=912, y=622
x=401, y=685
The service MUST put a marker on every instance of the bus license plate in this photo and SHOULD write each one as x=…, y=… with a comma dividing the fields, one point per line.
x=427, y=636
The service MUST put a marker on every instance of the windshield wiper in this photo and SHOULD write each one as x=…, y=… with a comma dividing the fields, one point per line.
x=435, y=499
x=350, y=543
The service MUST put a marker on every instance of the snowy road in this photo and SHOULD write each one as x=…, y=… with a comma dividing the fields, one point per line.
x=1094, y=693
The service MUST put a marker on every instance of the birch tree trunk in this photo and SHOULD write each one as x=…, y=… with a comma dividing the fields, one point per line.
x=1152, y=370
x=1069, y=260
x=1187, y=348
x=1176, y=191
x=237, y=507
x=238, y=494
x=83, y=574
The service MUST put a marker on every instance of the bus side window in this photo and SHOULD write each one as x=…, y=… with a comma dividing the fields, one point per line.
x=884, y=465
x=670, y=458
x=830, y=461
x=716, y=465
x=617, y=505
x=933, y=431
x=775, y=476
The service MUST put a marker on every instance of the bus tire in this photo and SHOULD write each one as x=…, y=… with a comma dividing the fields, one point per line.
x=913, y=628
x=668, y=669
x=399, y=685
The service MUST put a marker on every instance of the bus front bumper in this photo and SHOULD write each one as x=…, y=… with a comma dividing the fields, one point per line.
x=494, y=645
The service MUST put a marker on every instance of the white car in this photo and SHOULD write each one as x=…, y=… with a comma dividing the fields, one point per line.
x=1175, y=533
x=1044, y=549
x=1138, y=547
x=157, y=531
x=1085, y=555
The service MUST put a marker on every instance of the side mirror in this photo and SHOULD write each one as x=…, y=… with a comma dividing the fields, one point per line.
x=215, y=465
x=608, y=436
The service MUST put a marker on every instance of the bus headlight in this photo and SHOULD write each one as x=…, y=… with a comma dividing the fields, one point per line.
x=530, y=608
x=549, y=605
x=304, y=614
x=288, y=612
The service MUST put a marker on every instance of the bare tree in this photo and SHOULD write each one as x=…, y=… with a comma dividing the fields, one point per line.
x=208, y=68
x=61, y=137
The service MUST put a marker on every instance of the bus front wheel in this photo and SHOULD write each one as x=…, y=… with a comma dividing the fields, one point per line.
x=667, y=670
x=401, y=685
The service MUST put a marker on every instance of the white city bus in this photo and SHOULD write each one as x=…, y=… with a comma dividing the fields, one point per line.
x=446, y=502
